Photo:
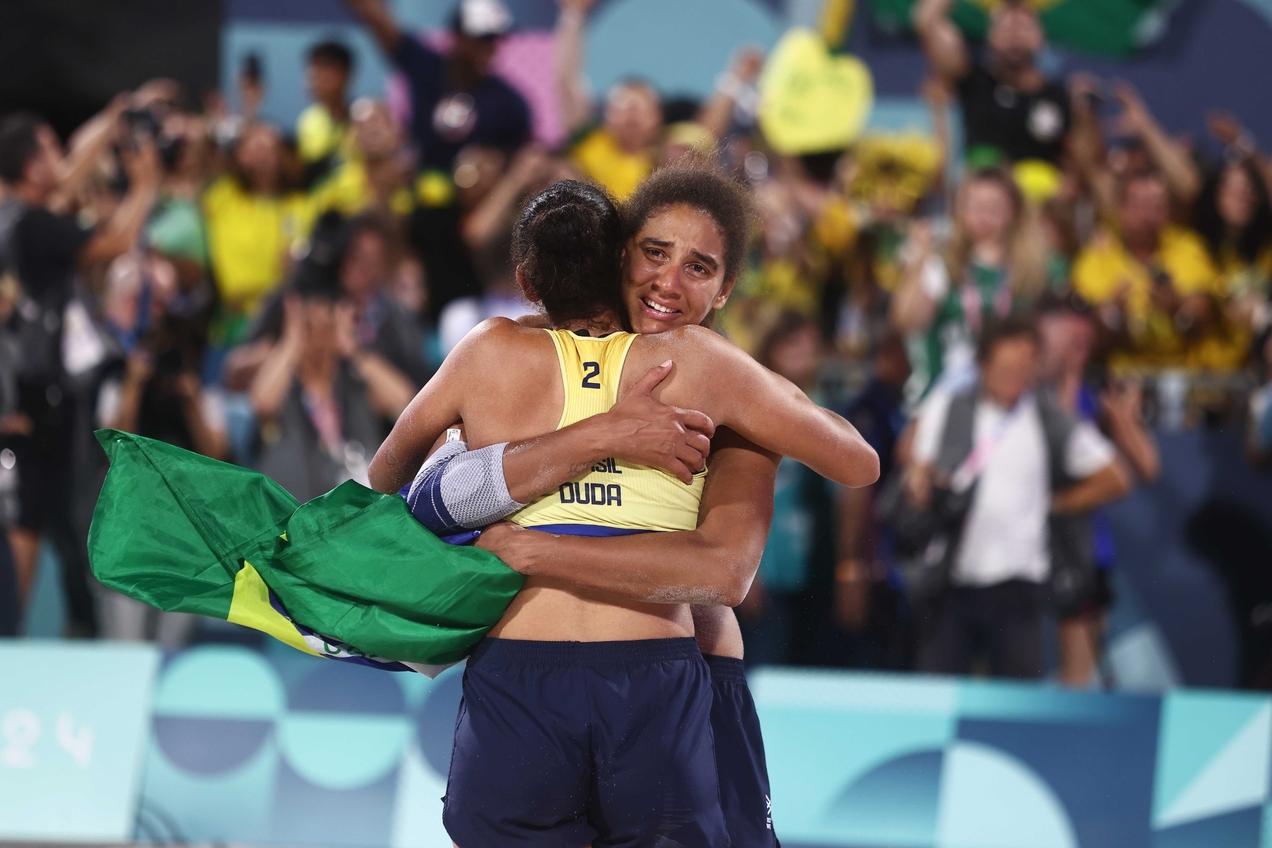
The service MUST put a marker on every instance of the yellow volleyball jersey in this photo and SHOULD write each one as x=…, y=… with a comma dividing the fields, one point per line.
x=615, y=497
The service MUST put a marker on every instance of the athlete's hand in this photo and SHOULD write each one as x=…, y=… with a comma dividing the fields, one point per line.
x=506, y=541
x=644, y=431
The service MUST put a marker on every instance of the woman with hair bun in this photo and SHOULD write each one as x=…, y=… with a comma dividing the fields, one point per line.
x=587, y=714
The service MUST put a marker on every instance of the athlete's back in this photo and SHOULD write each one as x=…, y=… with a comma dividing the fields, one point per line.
x=509, y=386
x=504, y=381
x=613, y=497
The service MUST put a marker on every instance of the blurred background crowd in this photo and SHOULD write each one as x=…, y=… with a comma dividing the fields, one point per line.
x=273, y=294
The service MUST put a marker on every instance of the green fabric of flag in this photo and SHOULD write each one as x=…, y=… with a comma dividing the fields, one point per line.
x=1100, y=27
x=175, y=530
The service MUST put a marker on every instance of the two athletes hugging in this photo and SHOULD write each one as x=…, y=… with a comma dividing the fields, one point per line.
x=608, y=705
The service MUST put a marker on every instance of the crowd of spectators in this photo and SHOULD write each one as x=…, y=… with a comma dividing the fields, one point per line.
x=274, y=296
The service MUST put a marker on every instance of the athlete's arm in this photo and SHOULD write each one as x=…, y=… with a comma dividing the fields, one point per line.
x=763, y=407
x=435, y=408
x=637, y=429
x=712, y=565
x=459, y=489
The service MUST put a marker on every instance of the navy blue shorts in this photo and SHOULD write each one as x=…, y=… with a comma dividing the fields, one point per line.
x=744, y=783
x=560, y=744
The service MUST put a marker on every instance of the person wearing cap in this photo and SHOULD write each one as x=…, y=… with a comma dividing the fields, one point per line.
x=455, y=99
x=1011, y=110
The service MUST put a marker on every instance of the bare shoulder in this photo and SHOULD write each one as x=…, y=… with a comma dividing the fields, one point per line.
x=503, y=330
x=691, y=339
x=495, y=340
x=705, y=365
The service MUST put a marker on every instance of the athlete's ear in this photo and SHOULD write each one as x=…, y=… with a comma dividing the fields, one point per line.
x=723, y=297
x=527, y=288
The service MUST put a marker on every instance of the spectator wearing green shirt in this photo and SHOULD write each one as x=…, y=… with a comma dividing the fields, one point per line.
x=995, y=265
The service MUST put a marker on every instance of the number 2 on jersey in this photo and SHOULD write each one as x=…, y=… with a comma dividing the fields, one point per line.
x=591, y=370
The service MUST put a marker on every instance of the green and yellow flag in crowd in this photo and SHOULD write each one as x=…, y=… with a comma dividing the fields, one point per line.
x=1102, y=27
x=350, y=575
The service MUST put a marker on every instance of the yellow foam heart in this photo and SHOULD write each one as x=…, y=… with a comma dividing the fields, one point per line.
x=811, y=101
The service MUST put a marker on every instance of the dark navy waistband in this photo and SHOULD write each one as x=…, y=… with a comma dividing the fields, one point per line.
x=725, y=669
x=594, y=530
x=532, y=652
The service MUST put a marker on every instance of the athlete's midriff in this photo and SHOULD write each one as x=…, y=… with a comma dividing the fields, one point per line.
x=552, y=611
x=614, y=498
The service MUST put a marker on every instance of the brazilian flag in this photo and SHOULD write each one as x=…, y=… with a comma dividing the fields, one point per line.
x=1114, y=28
x=351, y=575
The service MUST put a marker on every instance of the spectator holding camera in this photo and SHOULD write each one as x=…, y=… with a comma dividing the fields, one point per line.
x=352, y=259
x=1068, y=334
x=376, y=172
x=159, y=394
x=44, y=249
x=316, y=397
x=1154, y=286
x=176, y=228
x=1017, y=459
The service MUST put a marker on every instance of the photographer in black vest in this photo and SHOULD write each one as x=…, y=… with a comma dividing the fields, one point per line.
x=1020, y=466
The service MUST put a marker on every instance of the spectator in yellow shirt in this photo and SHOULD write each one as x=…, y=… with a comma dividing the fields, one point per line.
x=1154, y=283
x=377, y=173
x=252, y=222
x=323, y=129
x=620, y=152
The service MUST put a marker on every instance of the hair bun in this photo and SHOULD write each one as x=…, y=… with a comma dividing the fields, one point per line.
x=567, y=245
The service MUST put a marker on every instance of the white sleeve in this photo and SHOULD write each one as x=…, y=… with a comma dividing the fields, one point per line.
x=212, y=405
x=1087, y=451
x=930, y=425
x=934, y=279
x=108, y=399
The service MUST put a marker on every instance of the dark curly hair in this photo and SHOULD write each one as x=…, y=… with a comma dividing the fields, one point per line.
x=1256, y=236
x=699, y=183
x=568, y=245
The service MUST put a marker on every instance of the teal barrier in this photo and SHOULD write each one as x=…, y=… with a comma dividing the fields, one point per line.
x=286, y=749
x=73, y=722
x=868, y=761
